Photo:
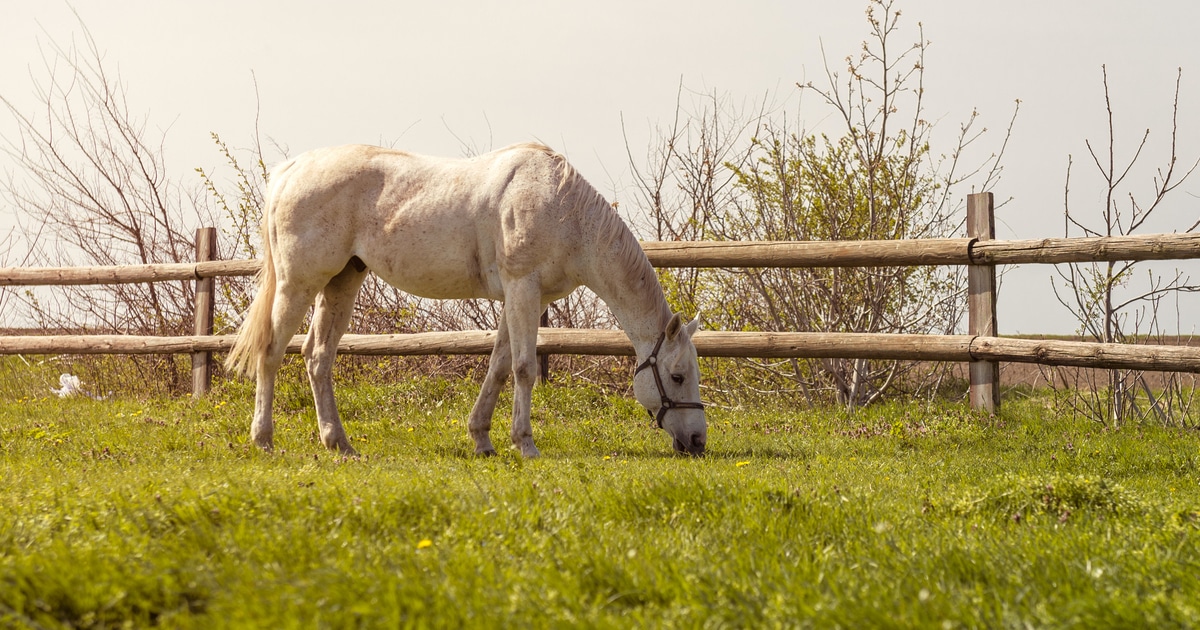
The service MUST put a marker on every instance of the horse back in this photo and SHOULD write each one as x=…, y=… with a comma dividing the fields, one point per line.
x=436, y=227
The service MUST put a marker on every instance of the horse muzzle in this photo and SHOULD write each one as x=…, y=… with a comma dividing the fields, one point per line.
x=694, y=445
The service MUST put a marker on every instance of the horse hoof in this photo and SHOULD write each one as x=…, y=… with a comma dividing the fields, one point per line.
x=343, y=447
x=530, y=452
x=486, y=452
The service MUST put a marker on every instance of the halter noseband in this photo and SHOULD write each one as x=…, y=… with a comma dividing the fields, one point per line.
x=652, y=363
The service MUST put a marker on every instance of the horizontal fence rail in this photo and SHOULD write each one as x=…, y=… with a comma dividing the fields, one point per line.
x=913, y=252
x=777, y=345
x=125, y=274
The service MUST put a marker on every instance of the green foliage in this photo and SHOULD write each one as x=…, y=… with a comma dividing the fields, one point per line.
x=824, y=189
x=873, y=176
x=816, y=189
x=246, y=210
x=156, y=512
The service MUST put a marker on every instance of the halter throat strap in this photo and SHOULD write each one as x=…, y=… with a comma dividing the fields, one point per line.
x=667, y=404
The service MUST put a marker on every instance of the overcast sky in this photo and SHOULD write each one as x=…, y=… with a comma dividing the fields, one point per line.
x=429, y=76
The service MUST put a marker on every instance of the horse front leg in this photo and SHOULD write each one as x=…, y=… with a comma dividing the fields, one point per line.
x=523, y=307
x=479, y=423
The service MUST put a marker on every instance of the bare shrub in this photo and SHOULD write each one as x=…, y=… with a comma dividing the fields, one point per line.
x=722, y=174
x=96, y=191
x=1113, y=302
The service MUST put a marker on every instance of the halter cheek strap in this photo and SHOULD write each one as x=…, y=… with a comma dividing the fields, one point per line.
x=652, y=363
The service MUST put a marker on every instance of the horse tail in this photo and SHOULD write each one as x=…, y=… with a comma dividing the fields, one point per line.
x=256, y=333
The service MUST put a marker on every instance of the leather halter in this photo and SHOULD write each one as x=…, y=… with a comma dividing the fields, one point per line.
x=652, y=363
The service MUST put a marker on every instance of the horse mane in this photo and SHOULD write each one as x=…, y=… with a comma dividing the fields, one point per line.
x=612, y=237
x=567, y=175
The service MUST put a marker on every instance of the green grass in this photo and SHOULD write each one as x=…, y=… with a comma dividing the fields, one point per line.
x=157, y=512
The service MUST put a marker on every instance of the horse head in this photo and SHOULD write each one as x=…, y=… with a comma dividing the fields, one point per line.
x=667, y=384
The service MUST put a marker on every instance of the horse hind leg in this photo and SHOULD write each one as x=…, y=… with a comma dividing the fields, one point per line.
x=287, y=311
x=335, y=305
x=479, y=423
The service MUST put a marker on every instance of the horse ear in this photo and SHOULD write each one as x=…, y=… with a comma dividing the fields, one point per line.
x=693, y=326
x=674, y=326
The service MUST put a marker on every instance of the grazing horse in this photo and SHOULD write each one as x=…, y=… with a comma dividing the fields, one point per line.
x=518, y=225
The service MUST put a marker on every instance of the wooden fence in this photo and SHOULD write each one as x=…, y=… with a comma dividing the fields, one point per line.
x=981, y=347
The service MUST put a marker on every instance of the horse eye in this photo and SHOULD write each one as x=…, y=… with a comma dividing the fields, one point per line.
x=678, y=378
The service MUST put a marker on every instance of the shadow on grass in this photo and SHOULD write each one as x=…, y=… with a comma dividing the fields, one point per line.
x=503, y=453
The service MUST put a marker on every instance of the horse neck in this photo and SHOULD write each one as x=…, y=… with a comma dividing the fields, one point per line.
x=621, y=275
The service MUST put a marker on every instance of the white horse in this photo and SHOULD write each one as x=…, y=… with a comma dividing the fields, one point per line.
x=518, y=225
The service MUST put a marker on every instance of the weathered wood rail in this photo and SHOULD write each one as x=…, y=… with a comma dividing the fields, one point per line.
x=709, y=343
x=982, y=347
x=709, y=254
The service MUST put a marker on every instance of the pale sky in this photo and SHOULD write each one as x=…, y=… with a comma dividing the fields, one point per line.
x=416, y=75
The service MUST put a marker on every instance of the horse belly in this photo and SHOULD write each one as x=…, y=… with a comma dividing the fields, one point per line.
x=446, y=269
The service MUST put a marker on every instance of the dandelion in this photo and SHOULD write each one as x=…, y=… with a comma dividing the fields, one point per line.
x=425, y=542
x=740, y=464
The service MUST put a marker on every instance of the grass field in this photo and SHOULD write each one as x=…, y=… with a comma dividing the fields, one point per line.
x=159, y=513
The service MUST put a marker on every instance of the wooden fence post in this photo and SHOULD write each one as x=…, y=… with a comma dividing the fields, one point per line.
x=206, y=250
x=981, y=303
